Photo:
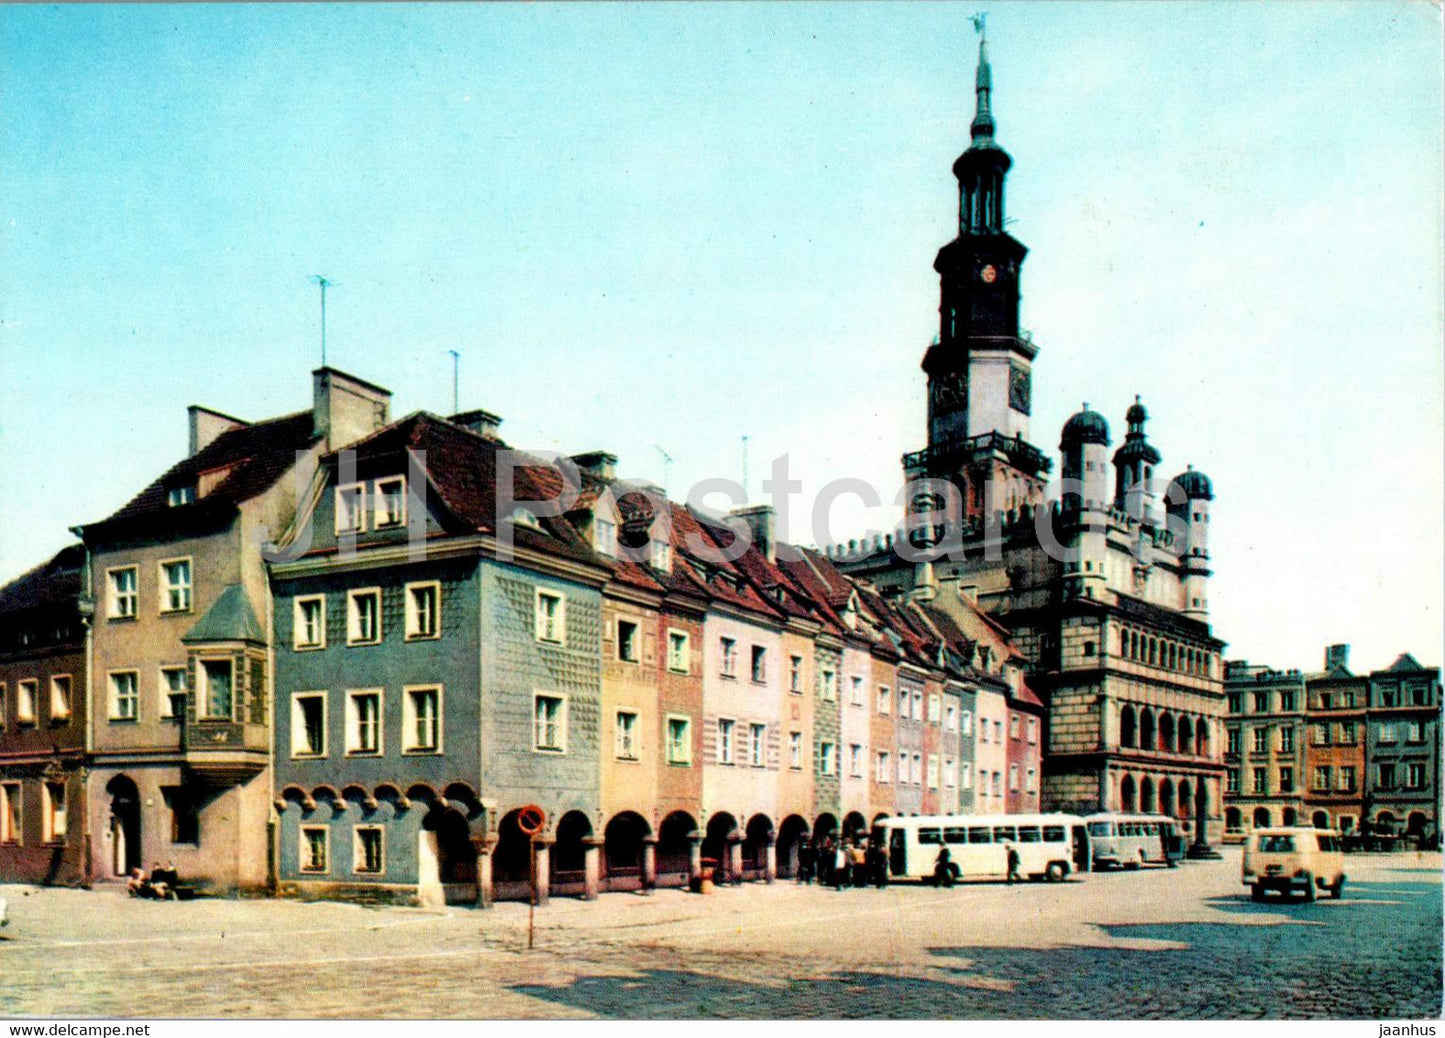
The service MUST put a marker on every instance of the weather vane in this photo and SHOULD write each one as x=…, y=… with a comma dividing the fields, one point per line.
x=979, y=21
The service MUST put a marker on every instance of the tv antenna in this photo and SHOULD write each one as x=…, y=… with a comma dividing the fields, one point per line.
x=456, y=381
x=666, y=463
x=745, y=468
x=320, y=279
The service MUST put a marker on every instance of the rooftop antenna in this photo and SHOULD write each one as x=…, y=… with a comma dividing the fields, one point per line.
x=666, y=462
x=456, y=382
x=320, y=279
x=745, y=468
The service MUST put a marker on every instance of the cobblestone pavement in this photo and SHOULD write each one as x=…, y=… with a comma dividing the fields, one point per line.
x=1177, y=943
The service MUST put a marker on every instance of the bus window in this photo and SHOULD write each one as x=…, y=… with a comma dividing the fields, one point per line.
x=1004, y=832
x=1101, y=828
x=979, y=834
x=930, y=836
x=1054, y=833
x=1028, y=834
x=955, y=834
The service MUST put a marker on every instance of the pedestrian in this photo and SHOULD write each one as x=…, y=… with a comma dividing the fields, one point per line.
x=840, y=865
x=878, y=864
x=806, y=858
x=858, y=864
x=943, y=869
x=1013, y=864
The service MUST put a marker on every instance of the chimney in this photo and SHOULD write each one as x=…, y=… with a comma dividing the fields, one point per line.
x=1337, y=656
x=760, y=520
x=346, y=408
x=483, y=423
x=206, y=425
x=597, y=463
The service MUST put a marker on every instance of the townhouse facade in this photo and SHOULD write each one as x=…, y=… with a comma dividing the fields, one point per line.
x=44, y=714
x=1265, y=745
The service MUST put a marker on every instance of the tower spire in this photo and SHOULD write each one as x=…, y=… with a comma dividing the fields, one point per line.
x=983, y=125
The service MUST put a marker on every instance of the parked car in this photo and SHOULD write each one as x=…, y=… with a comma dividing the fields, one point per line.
x=1292, y=860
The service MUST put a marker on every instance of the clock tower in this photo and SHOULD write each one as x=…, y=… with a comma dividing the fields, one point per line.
x=980, y=366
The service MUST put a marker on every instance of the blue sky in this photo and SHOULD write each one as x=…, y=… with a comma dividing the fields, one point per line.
x=685, y=224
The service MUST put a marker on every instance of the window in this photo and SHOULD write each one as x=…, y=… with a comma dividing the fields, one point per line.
x=214, y=694
x=883, y=768
x=1415, y=732
x=1261, y=739
x=124, y=700
x=1322, y=778
x=421, y=722
x=549, y=723
x=627, y=641
x=53, y=801
x=725, y=741
x=729, y=650
x=662, y=556
x=965, y=775
x=757, y=744
x=390, y=502
x=885, y=700
x=950, y=717
x=1286, y=740
x=309, y=623
x=308, y=724
x=368, y=857
x=363, y=617
x=830, y=686
x=1322, y=735
x=185, y=814
x=855, y=760
x=1261, y=702
x=1236, y=702
x=1013, y=726
x=795, y=675
x=1261, y=781
x=760, y=664
x=1387, y=776
x=1387, y=697
x=965, y=722
x=827, y=759
x=177, y=496
x=1347, y=733
x=935, y=709
x=363, y=722
x=677, y=651
x=903, y=700
x=1286, y=700
x=351, y=508
x=679, y=740
x=60, y=697
x=10, y=813
x=604, y=534
x=1033, y=730
x=1231, y=781
x=795, y=750
x=950, y=772
x=26, y=695
x=122, y=598
x=933, y=771
x=855, y=695
x=1415, y=775
x=551, y=618
x=173, y=693
x=176, y=586
x=1286, y=780
x=1013, y=777
x=1347, y=779
x=423, y=611
x=998, y=783
x=1388, y=733
x=314, y=845
x=1420, y=696
x=983, y=729
x=905, y=766
x=1033, y=781
x=626, y=735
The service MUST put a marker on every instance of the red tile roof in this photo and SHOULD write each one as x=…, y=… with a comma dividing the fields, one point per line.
x=54, y=582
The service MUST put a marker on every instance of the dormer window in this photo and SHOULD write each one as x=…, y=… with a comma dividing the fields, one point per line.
x=351, y=508
x=662, y=556
x=522, y=517
x=390, y=502
x=178, y=496
x=604, y=536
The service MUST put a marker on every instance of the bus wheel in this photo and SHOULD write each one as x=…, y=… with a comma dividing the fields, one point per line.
x=1055, y=873
x=1256, y=893
x=1338, y=890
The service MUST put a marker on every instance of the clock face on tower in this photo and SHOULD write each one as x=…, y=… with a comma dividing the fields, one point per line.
x=950, y=392
x=988, y=273
x=1018, y=388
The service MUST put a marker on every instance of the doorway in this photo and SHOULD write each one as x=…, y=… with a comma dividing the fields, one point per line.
x=124, y=825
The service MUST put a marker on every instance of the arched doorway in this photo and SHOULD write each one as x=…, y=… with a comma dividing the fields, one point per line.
x=790, y=834
x=1261, y=818
x=568, y=860
x=1289, y=817
x=1320, y=820
x=755, y=846
x=855, y=825
x=1127, y=802
x=1232, y=819
x=825, y=826
x=1128, y=727
x=1146, y=796
x=449, y=846
x=715, y=843
x=511, y=860
x=1415, y=825
x=1384, y=824
x=124, y=825
x=674, y=849
x=622, y=850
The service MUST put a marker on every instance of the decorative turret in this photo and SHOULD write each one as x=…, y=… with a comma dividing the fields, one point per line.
x=1134, y=468
x=1189, y=500
x=1083, y=446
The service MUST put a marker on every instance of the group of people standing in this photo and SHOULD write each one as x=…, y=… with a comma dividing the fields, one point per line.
x=843, y=861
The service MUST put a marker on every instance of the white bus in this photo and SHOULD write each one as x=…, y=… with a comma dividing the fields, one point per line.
x=1129, y=841
x=1049, y=846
